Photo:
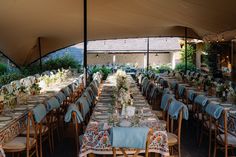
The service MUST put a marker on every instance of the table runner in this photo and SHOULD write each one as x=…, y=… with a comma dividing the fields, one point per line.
x=12, y=128
x=96, y=140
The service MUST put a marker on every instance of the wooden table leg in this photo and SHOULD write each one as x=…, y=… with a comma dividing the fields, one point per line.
x=157, y=155
x=91, y=155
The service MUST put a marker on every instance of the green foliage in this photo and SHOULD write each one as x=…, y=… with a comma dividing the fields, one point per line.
x=104, y=70
x=181, y=67
x=212, y=50
x=163, y=68
x=3, y=68
x=53, y=64
x=190, y=53
x=60, y=62
x=7, y=78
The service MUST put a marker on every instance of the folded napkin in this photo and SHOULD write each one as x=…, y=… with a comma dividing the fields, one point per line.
x=161, y=81
x=72, y=86
x=91, y=92
x=166, y=91
x=52, y=103
x=175, y=107
x=129, y=137
x=164, y=101
x=60, y=97
x=94, y=89
x=191, y=95
x=173, y=84
x=88, y=97
x=84, y=104
x=39, y=112
x=73, y=108
x=181, y=90
x=214, y=110
x=201, y=100
x=66, y=91
x=153, y=91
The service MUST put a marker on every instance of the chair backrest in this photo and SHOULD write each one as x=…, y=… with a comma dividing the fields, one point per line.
x=200, y=102
x=35, y=120
x=83, y=106
x=73, y=114
x=60, y=97
x=171, y=118
x=67, y=91
x=181, y=91
x=150, y=86
x=52, y=103
x=219, y=118
x=165, y=101
x=72, y=87
x=136, y=139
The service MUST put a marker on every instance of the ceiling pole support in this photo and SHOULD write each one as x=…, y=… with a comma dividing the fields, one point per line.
x=148, y=54
x=40, y=54
x=185, y=49
x=85, y=43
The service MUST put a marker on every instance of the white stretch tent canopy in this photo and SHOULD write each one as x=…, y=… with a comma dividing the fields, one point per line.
x=59, y=23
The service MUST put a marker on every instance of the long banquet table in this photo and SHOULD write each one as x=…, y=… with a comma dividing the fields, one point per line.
x=228, y=106
x=96, y=137
x=12, y=127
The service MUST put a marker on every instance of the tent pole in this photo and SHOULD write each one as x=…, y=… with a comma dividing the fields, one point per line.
x=147, y=53
x=185, y=50
x=40, y=54
x=85, y=43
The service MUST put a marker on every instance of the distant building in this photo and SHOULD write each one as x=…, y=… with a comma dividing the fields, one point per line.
x=133, y=51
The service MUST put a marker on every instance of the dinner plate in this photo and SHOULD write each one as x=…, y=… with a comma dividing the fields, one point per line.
x=5, y=118
x=226, y=105
x=232, y=112
x=139, y=104
x=20, y=108
x=147, y=114
x=102, y=108
x=101, y=117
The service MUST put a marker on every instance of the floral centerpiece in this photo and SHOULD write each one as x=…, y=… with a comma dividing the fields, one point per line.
x=10, y=99
x=197, y=83
x=122, y=89
x=231, y=97
x=222, y=90
x=35, y=89
x=46, y=79
x=121, y=80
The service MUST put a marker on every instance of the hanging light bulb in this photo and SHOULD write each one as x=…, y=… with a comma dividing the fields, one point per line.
x=217, y=40
x=156, y=54
x=97, y=55
x=223, y=39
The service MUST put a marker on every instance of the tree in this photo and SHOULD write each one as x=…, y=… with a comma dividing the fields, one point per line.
x=190, y=54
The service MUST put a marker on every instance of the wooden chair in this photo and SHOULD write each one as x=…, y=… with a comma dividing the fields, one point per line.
x=74, y=118
x=84, y=109
x=214, y=119
x=21, y=144
x=40, y=128
x=136, y=151
x=174, y=134
x=53, y=118
x=69, y=95
x=225, y=137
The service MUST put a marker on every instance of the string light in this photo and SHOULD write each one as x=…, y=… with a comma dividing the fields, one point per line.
x=223, y=39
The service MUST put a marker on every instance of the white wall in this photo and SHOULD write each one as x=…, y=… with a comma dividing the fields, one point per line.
x=162, y=58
